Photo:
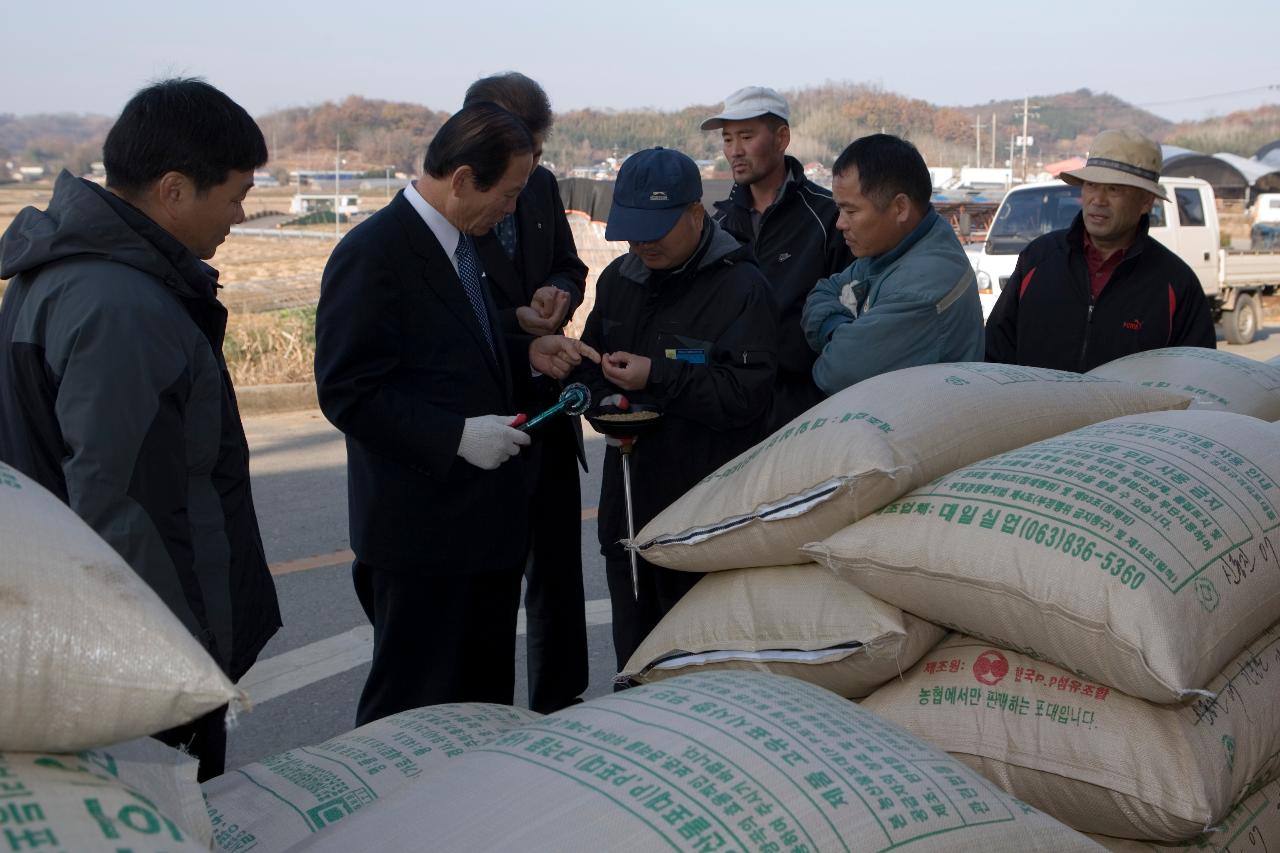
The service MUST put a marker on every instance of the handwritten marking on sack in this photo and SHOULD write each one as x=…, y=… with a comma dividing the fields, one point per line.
x=1237, y=566
x=1243, y=678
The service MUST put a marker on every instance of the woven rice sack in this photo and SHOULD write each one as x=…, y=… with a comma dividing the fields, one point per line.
x=714, y=761
x=282, y=800
x=83, y=802
x=872, y=442
x=800, y=621
x=1094, y=758
x=89, y=654
x=1140, y=552
x=1215, y=378
x=1252, y=827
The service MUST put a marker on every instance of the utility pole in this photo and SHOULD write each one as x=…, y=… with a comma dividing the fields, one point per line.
x=1009, y=179
x=977, y=142
x=993, y=140
x=337, y=190
x=1026, y=112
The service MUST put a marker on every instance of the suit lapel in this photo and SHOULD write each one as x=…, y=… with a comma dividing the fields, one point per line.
x=441, y=278
x=532, y=236
x=508, y=287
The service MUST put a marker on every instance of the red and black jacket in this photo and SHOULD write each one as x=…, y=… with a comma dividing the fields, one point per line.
x=1045, y=316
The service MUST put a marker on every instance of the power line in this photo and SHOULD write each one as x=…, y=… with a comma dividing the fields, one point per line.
x=1268, y=88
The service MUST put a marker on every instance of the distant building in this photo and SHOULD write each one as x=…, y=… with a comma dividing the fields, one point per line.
x=602, y=171
x=818, y=173
x=973, y=178
x=262, y=178
x=324, y=179
x=943, y=177
x=27, y=173
x=303, y=203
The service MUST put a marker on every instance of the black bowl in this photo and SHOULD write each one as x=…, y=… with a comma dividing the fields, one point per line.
x=636, y=420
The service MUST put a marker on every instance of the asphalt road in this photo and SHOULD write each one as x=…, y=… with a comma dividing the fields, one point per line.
x=309, y=677
x=312, y=671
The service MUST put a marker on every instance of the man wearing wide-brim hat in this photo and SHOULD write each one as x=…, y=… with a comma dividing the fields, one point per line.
x=1102, y=288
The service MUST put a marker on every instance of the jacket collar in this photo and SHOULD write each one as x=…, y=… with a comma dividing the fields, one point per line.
x=197, y=278
x=1075, y=236
x=740, y=194
x=714, y=245
x=878, y=264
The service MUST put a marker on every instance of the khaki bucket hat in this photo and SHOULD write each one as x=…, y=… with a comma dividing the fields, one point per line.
x=1122, y=157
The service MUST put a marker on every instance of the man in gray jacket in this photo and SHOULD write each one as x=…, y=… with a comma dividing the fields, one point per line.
x=910, y=297
x=114, y=394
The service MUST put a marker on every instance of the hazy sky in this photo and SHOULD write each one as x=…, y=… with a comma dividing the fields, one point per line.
x=1177, y=58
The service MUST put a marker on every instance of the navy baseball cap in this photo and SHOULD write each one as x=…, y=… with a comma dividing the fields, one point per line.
x=654, y=187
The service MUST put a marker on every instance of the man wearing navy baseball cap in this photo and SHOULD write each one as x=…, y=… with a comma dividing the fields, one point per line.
x=685, y=322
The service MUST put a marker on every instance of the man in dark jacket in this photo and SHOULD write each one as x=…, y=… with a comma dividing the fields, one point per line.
x=685, y=322
x=537, y=282
x=1102, y=288
x=413, y=367
x=790, y=223
x=114, y=393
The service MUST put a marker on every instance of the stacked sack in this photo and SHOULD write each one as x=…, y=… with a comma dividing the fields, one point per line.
x=761, y=607
x=1216, y=379
x=711, y=761
x=287, y=798
x=90, y=658
x=1117, y=588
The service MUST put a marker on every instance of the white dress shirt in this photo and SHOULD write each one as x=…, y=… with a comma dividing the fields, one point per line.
x=441, y=227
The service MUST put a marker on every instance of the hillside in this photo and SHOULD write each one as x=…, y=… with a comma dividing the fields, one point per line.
x=1240, y=132
x=376, y=133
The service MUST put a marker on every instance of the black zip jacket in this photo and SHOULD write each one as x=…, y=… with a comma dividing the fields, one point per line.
x=1045, y=317
x=798, y=244
x=710, y=329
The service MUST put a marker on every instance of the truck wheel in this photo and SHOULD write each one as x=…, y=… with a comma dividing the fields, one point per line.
x=1240, y=325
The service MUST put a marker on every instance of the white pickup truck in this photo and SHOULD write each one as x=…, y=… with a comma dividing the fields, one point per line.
x=1234, y=281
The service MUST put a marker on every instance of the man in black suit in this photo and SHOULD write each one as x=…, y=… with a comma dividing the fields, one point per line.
x=412, y=366
x=537, y=282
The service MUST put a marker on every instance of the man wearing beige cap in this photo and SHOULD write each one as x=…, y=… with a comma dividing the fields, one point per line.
x=1102, y=288
x=790, y=223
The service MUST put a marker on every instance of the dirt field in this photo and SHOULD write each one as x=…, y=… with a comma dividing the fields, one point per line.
x=271, y=284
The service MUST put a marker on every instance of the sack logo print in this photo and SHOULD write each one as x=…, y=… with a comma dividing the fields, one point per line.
x=990, y=667
x=1207, y=594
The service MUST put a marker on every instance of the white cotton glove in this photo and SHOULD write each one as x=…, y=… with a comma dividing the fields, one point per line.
x=488, y=441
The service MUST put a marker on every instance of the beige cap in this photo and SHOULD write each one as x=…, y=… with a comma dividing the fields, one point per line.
x=1122, y=157
x=750, y=102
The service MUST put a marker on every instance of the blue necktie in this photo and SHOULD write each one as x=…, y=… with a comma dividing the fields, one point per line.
x=469, y=273
x=506, y=231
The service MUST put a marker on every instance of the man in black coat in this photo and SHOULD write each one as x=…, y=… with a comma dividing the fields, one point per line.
x=537, y=282
x=412, y=366
x=1103, y=288
x=688, y=325
x=790, y=224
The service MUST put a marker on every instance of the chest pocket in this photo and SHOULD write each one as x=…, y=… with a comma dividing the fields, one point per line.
x=678, y=347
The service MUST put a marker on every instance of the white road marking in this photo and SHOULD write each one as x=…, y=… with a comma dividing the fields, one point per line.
x=274, y=677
